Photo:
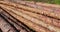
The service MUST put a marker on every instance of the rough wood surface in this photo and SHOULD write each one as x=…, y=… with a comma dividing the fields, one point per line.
x=26, y=16
x=33, y=26
x=46, y=19
x=11, y=21
x=48, y=13
x=16, y=23
x=6, y=27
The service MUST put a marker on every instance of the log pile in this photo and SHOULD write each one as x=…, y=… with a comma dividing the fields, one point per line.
x=25, y=16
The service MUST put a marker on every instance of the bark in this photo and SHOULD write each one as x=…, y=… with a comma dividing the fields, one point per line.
x=36, y=21
x=31, y=18
x=45, y=19
x=14, y=24
x=31, y=25
x=6, y=27
x=48, y=13
x=41, y=6
x=19, y=26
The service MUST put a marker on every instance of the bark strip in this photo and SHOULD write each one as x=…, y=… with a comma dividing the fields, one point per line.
x=6, y=27
x=22, y=25
x=37, y=21
x=30, y=24
x=48, y=13
x=15, y=25
x=45, y=19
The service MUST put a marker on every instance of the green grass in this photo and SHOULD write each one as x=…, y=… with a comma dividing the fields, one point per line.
x=57, y=2
x=48, y=1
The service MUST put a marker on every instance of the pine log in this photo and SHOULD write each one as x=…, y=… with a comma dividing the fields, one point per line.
x=29, y=23
x=14, y=24
x=34, y=20
x=48, y=13
x=6, y=27
x=22, y=26
x=46, y=19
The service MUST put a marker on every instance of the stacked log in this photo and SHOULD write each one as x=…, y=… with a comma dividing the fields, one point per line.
x=25, y=16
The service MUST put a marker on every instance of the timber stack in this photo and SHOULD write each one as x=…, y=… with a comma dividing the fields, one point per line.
x=25, y=16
